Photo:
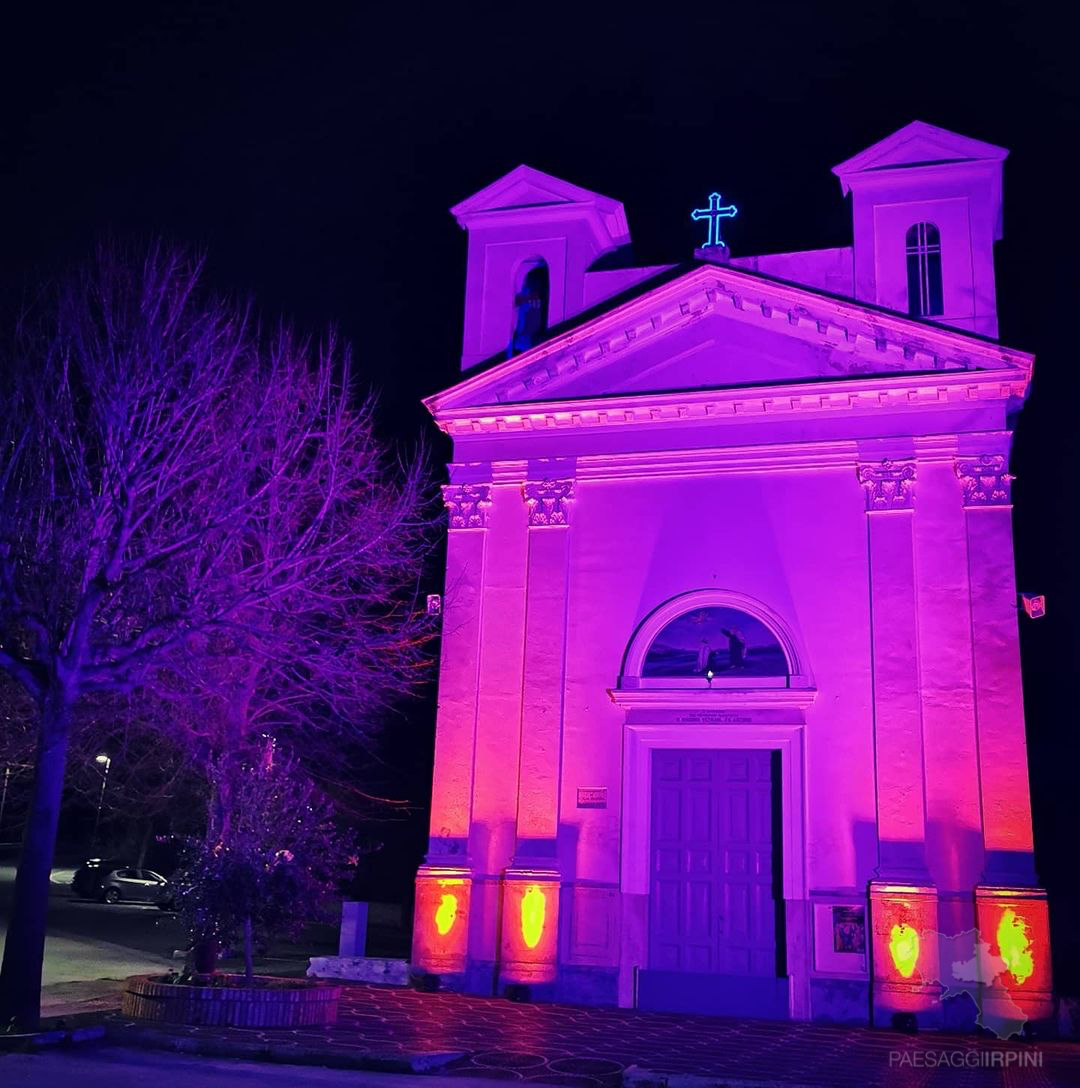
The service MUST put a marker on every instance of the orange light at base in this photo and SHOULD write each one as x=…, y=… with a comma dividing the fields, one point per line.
x=904, y=917
x=446, y=913
x=1014, y=944
x=440, y=927
x=904, y=949
x=533, y=908
x=1015, y=922
x=529, y=941
x=904, y=953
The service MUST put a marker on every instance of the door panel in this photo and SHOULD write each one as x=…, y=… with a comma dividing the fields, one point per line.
x=714, y=884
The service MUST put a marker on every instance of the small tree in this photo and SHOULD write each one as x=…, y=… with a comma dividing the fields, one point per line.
x=150, y=443
x=283, y=862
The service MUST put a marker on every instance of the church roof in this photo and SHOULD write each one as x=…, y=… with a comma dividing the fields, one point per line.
x=748, y=338
x=664, y=274
x=917, y=144
x=526, y=187
x=668, y=273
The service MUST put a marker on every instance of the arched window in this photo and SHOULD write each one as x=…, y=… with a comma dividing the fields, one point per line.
x=530, y=308
x=923, y=248
x=715, y=644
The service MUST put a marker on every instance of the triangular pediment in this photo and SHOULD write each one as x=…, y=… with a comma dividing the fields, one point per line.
x=525, y=187
x=918, y=144
x=718, y=328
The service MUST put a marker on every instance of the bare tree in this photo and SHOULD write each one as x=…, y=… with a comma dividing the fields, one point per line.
x=184, y=508
x=315, y=663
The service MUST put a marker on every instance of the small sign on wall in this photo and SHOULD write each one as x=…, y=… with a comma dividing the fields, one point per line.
x=1034, y=604
x=712, y=717
x=592, y=797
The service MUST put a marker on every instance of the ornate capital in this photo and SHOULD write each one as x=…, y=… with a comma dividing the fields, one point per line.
x=548, y=502
x=985, y=480
x=889, y=485
x=467, y=505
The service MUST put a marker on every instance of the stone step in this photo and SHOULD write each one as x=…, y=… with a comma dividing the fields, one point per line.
x=387, y=972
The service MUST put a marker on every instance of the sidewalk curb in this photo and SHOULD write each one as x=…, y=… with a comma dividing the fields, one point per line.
x=57, y=1037
x=636, y=1077
x=333, y=1057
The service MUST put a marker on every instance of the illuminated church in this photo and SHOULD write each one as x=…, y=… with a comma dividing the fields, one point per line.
x=730, y=712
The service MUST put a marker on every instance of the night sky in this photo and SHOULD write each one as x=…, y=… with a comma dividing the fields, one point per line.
x=313, y=152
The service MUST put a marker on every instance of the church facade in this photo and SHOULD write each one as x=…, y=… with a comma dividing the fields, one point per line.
x=730, y=715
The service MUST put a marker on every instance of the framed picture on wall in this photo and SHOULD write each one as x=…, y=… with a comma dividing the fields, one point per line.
x=849, y=929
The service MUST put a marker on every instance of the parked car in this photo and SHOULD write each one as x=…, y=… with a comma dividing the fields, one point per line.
x=89, y=877
x=135, y=886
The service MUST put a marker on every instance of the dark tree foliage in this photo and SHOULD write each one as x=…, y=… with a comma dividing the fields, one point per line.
x=280, y=865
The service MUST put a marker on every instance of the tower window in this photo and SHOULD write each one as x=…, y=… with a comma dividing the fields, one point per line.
x=924, y=291
x=530, y=308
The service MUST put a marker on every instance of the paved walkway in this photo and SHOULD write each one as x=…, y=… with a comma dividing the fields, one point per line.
x=595, y=1047
x=122, y=1067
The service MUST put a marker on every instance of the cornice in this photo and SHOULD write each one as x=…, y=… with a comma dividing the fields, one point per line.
x=739, y=405
x=896, y=344
x=894, y=152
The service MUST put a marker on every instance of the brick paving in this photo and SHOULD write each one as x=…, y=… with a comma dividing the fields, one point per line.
x=593, y=1047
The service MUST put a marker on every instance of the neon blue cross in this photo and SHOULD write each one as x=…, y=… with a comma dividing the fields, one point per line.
x=714, y=213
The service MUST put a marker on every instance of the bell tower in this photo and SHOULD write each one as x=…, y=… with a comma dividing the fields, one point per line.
x=926, y=206
x=532, y=237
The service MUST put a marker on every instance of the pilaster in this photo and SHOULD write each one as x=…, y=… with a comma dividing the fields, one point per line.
x=492, y=836
x=889, y=487
x=1003, y=767
x=467, y=508
x=954, y=843
x=531, y=885
x=443, y=883
x=549, y=505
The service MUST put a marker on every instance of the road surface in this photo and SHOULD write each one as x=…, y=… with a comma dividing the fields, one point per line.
x=114, y=1067
x=89, y=941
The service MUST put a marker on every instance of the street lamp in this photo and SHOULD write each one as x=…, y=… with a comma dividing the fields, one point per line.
x=103, y=761
x=9, y=770
x=3, y=796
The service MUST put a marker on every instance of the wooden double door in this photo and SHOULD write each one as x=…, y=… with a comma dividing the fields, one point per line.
x=715, y=904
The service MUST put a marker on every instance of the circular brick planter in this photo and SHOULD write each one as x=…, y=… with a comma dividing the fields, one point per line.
x=269, y=1003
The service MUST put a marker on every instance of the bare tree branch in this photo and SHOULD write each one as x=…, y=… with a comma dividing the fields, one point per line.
x=191, y=510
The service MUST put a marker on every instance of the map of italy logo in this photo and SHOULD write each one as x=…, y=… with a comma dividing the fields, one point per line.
x=968, y=966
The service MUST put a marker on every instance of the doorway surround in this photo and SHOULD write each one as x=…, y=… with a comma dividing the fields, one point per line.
x=696, y=714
